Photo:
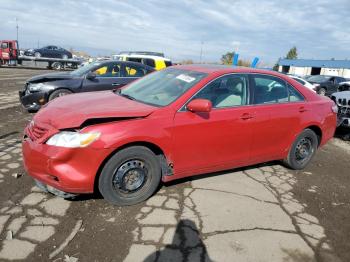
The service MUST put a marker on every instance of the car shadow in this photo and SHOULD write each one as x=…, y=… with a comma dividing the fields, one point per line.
x=342, y=133
x=219, y=173
x=186, y=245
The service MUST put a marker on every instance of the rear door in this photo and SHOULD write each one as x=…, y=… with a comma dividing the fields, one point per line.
x=278, y=109
x=220, y=139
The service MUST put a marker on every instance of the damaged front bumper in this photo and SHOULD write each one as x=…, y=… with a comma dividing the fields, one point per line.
x=62, y=171
x=52, y=190
x=32, y=101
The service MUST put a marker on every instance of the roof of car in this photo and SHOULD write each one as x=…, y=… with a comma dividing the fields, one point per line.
x=144, y=56
x=212, y=68
x=101, y=62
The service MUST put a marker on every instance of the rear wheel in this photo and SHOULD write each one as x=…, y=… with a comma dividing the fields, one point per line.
x=57, y=66
x=58, y=93
x=130, y=176
x=302, y=150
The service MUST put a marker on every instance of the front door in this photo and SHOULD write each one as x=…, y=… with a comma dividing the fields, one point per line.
x=107, y=76
x=220, y=139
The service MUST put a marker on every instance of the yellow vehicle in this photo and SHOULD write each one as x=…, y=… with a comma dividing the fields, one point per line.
x=155, y=60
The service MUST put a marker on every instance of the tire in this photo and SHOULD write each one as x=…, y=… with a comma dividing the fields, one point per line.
x=58, y=93
x=302, y=150
x=64, y=57
x=57, y=66
x=137, y=163
x=322, y=91
x=37, y=54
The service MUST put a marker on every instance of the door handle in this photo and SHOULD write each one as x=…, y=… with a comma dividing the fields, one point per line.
x=246, y=116
x=116, y=84
x=302, y=109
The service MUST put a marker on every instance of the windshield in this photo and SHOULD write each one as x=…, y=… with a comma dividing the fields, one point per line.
x=318, y=78
x=163, y=87
x=85, y=69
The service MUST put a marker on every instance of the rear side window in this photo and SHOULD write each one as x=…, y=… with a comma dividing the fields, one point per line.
x=168, y=63
x=294, y=95
x=149, y=62
x=133, y=71
x=270, y=90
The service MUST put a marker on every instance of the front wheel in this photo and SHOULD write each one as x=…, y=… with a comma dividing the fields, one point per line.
x=302, y=150
x=131, y=176
x=58, y=93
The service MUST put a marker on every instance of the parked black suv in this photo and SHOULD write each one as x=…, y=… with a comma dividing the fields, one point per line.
x=97, y=76
x=325, y=85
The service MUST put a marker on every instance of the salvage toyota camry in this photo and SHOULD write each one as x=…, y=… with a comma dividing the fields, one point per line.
x=179, y=122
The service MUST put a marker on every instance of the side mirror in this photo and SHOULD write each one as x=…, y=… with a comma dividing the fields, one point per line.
x=91, y=75
x=199, y=105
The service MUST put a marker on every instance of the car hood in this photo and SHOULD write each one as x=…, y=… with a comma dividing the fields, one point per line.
x=72, y=111
x=50, y=77
x=342, y=95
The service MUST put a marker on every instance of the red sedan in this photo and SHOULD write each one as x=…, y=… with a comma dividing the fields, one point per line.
x=179, y=122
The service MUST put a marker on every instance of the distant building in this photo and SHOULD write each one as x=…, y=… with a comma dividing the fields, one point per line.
x=315, y=67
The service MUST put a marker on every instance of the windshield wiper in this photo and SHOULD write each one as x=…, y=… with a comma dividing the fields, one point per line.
x=119, y=92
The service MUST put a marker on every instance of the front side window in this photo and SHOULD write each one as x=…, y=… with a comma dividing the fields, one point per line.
x=163, y=87
x=269, y=90
x=108, y=70
x=226, y=91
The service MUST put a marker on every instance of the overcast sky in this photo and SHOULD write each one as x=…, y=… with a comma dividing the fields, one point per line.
x=267, y=29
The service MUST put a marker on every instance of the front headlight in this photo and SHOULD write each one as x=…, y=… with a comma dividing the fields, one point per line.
x=38, y=87
x=73, y=139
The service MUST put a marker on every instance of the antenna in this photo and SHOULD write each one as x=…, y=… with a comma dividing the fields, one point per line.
x=17, y=29
x=201, y=53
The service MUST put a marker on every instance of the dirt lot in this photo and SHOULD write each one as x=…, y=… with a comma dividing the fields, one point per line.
x=259, y=213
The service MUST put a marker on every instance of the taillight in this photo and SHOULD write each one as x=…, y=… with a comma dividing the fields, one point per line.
x=335, y=108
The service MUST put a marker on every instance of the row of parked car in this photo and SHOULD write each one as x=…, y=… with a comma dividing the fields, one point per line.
x=96, y=76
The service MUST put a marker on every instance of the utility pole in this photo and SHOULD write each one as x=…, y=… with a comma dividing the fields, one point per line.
x=17, y=29
x=201, y=53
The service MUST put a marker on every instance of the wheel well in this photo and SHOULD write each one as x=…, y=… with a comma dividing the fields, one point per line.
x=60, y=88
x=154, y=148
x=317, y=131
